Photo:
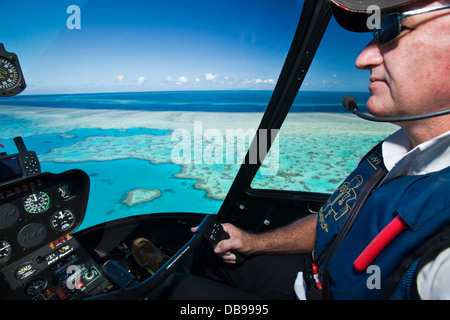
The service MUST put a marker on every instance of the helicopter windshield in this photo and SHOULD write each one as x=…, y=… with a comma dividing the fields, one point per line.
x=320, y=142
x=158, y=102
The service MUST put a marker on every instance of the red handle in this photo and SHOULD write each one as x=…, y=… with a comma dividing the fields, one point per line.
x=382, y=239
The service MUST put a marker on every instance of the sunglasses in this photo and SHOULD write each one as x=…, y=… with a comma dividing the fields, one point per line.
x=390, y=25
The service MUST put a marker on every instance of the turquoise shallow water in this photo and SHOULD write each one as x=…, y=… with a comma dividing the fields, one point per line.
x=127, y=149
x=112, y=180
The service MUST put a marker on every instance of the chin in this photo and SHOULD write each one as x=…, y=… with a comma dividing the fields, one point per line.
x=377, y=106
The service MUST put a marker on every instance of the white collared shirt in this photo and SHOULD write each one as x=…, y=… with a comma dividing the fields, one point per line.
x=433, y=281
x=400, y=159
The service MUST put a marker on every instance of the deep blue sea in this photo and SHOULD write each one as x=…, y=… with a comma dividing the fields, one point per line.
x=205, y=101
x=104, y=135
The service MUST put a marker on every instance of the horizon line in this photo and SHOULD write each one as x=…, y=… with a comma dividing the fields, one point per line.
x=171, y=91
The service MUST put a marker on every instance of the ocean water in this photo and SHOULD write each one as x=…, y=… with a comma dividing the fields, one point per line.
x=126, y=142
x=200, y=101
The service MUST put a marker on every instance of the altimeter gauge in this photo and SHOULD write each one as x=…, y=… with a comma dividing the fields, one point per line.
x=11, y=77
x=36, y=202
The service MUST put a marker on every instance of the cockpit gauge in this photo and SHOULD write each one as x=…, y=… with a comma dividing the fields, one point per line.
x=37, y=202
x=11, y=77
x=36, y=287
x=5, y=251
x=62, y=220
x=26, y=270
x=64, y=191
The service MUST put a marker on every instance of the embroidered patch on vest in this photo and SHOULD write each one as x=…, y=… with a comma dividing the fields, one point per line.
x=343, y=198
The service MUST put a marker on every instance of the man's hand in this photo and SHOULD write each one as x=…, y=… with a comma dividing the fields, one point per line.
x=239, y=241
x=296, y=238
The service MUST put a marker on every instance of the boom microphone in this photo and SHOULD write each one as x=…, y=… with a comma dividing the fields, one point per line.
x=349, y=103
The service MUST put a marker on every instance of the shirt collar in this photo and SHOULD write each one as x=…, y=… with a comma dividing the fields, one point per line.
x=430, y=156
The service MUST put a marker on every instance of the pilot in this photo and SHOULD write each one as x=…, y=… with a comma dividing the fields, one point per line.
x=393, y=243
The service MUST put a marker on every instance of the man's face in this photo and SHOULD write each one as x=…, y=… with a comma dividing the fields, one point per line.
x=411, y=75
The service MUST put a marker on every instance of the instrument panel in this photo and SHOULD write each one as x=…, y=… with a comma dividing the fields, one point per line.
x=39, y=258
x=39, y=210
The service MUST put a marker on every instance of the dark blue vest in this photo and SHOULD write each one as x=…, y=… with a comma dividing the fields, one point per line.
x=422, y=201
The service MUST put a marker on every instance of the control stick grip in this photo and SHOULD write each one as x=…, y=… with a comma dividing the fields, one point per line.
x=213, y=232
x=239, y=256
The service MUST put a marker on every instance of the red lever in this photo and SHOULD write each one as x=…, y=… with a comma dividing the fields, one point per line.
x=382, y=239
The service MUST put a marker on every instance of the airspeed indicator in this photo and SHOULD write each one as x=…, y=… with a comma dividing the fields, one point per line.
x=37, y=202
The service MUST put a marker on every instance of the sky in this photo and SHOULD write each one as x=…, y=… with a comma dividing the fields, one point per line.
x=149, y=45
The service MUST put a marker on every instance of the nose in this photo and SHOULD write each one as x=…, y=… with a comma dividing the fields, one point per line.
x=370, y=57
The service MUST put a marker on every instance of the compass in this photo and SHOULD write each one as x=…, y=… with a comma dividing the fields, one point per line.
x=11, y=77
